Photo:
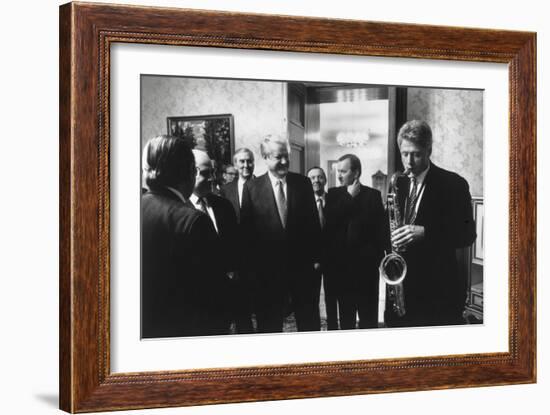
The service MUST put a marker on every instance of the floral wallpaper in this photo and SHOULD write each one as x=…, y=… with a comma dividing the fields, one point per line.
x=456, y=119
x=258, y=108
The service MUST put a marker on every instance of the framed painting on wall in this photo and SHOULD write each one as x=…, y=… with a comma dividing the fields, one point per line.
x=213, y=134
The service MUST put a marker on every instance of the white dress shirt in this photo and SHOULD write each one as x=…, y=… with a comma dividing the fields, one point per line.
x=240, y=187
x=195, y=200
x=275, y=182
x=323, y=200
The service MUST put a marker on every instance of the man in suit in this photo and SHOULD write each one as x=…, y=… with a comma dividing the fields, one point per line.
x=318, y=182
x=436, y=206
x=280, y=221
x=229, y=173
x=357, y=231
x=180, y=284
x=223, y=217
x=243, y=161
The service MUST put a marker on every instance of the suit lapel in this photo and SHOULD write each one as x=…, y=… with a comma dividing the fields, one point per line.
x=213, y=204
x=267, y=189
x=424, y=203
x=290, y=197
x=234, y=197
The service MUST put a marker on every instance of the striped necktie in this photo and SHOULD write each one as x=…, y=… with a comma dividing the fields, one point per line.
x=411, y=202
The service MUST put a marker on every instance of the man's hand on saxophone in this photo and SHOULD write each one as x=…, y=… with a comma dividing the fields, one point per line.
x=406, y=235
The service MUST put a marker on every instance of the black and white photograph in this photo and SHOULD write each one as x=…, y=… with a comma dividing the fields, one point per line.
x=285, y=206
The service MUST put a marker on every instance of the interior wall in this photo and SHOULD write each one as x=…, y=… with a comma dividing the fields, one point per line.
x=456, y=119
x=258, y=108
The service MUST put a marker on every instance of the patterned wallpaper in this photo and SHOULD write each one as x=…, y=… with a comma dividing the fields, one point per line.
x=258, y=108
x=456, y=119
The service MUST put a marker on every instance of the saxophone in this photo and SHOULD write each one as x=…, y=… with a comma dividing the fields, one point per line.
x=393, y=267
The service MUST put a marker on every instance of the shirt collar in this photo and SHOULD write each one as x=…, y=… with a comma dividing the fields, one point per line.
x=195, y=199
x=274, y=179
x=420, y=178
x=177, y=193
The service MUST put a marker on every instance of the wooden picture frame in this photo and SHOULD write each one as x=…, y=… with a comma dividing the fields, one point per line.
x=86, y=33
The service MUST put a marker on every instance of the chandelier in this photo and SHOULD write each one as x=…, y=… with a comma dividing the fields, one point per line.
x=353, y=138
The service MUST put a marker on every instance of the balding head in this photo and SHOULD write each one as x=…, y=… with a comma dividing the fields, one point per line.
x=201, y=157
x=205, y=176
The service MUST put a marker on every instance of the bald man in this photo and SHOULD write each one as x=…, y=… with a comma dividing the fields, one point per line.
x=224, y=220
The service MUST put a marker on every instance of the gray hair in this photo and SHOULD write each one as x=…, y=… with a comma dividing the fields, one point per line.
x=417, y=132
x=167, y=161
x=279, y=139
x=243, y=150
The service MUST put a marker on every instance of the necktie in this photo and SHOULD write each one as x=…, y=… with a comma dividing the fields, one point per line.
x=411, y=202
x=202, y=205
x=321, y=213
x=281, y=202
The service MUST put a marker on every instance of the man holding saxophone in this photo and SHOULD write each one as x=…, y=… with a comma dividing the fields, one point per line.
x=435, y=207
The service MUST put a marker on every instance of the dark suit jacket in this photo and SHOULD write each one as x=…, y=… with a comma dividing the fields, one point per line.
x=231, y=192
x=274, y=248
x=226, y=221
x=180, y=283
x=434, y=291
x=356, y=232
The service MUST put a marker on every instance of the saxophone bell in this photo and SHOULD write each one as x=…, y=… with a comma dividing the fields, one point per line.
x=393, y=268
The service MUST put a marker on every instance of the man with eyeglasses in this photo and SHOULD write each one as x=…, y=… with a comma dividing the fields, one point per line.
x=318, y=182
x=229, y=173
x=224, y=220
x=279, y=219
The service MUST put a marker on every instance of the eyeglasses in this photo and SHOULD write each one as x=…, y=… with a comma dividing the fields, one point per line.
x=206, y=173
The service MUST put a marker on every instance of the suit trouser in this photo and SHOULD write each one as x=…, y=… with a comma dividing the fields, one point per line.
x=358, y=295
x=331, y=300
x=241, y=306
x=275, y=290
x=305, y=291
